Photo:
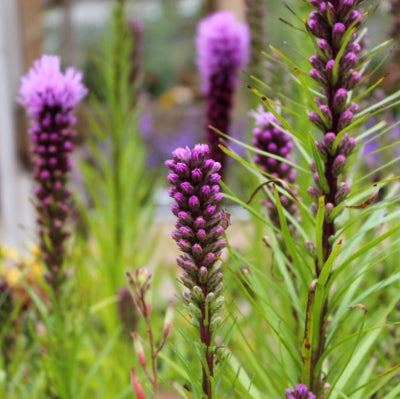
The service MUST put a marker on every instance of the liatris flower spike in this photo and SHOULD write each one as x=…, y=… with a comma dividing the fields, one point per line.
x=269, y=138
x=336, y=71
x=334, y=25
x=222, y=49
x=300, y=392
x=49, y=97
x=198, y=233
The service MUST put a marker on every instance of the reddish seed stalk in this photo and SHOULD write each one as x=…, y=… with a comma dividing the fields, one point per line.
x=140, y=282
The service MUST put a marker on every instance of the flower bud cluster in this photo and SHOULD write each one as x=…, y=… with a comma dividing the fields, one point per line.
x=199, y=228
x=300, y=392
x=268, y=137
x=334, y=67
x=49, y=97
x=222, y=45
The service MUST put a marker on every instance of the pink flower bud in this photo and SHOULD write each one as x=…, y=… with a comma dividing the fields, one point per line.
x=169, y=315
x=338, y=164
x=342, y=193
x=340, y=99
x=139, y=349
x=136, y=385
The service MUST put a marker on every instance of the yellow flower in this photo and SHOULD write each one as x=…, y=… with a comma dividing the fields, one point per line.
x=35, y=250
x=10, y=254
x=12, y=276
x=35, y=269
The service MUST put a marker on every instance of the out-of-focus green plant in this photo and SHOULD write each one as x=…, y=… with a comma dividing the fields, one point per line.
x=119, y=207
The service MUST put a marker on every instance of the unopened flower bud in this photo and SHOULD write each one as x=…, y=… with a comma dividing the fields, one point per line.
x=194, y=310
x=316, y=178
x=318, y=76
x=317, y=62
x=317, y=25
x=215, y=323
x=351, y=80
x=313, y=192
x=198, y=293
x=136, y=385
x=345, y=119
x=338, y=32
x=342, y=193
x=139, y=349
x=338, y=164
x=326, y=112
x=203, y=275
x=355, y=16
x=169, y=315
x=329, y=139
x=316, y=119
x=328, y=209
x=347, y=62
x=325, y=48
x=340, y=99
x=347, y=146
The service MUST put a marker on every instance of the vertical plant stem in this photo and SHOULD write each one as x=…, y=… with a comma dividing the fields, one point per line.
x=328, y=231
x=206, y=338
x=117, y=130
x=153, y=351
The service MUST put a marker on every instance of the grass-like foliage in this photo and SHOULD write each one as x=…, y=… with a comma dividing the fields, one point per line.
x=297, y=299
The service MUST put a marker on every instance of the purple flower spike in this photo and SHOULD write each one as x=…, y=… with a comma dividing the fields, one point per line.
x=49, y=97
x=222, y=45
x=300, y=392
x=268, y=137
x=198, y=233
x=200, y=224
x=335, y=68
x=329, y=23
x=45, y=86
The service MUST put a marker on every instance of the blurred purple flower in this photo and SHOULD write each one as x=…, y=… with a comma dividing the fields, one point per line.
x=49, y=97
x=45, y=87
x=222, y=49
x=300, y=392
x=161, y=142
x=269, y=138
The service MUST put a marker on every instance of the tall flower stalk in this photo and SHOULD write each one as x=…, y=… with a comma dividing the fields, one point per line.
x=199, y=228
x=222, y=50
x=334, y=25
x=49, y=97
x=255, y=16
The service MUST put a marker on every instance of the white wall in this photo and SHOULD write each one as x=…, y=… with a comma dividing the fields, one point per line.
x=15, y=211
